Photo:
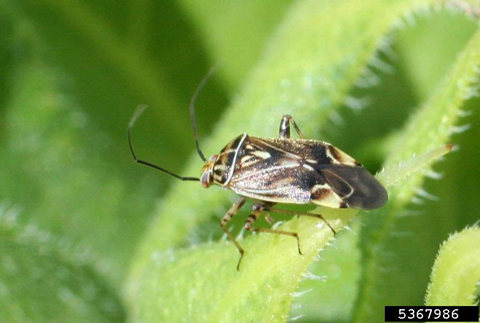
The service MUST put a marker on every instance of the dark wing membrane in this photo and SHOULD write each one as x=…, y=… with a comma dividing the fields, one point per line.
x=355, y=186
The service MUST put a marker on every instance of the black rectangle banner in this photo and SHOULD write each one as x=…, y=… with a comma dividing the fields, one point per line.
x=431, y=313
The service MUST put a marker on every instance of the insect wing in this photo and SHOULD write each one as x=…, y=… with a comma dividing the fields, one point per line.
x=282, y=182
x=269, y=171
x=303, y=171
x=354, y=185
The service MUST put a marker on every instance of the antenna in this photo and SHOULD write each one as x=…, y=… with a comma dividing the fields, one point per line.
x=138, y=112
x=192, y=108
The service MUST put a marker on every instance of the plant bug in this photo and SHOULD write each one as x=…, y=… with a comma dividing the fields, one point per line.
x=281, y=171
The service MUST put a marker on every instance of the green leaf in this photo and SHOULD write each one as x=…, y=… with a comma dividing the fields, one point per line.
x=53, y=166
x=209, y=269
x=70, y=89
x=248, y=22
x=116, y=61
x=456, y=272
x=38, y=283
x=432, y=125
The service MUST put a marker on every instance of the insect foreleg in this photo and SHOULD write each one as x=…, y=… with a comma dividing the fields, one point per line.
x=297, y=213
x=226, y=218
x=284, y=131
x=257, y=209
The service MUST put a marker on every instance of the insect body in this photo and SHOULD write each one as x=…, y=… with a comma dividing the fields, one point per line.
x=281, y=171
x=295, y=171
x=284, y=170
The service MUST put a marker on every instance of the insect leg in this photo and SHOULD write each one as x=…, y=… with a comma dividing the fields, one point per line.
x=226, y=218
x=284, y=131
x=269, y=219
x=315, y=215
x=257, y=209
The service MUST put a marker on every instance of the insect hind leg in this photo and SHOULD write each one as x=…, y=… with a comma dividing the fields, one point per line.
x=257, y=210
x=284, y=131
x=226, y=218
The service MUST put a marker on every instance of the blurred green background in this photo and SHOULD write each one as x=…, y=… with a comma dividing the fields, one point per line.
x=74, y=206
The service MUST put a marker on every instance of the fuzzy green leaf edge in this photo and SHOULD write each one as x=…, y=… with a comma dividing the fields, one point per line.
x=456, y=273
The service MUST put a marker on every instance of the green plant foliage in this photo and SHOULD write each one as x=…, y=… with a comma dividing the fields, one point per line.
x=249, y=22
x=456, y=272
x=430, y=126
x=392, y=83
x=39, y=283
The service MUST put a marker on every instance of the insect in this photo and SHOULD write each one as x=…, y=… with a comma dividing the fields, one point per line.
x=281, y=170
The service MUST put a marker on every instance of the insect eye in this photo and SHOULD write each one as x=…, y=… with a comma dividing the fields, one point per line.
x=205, y=179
